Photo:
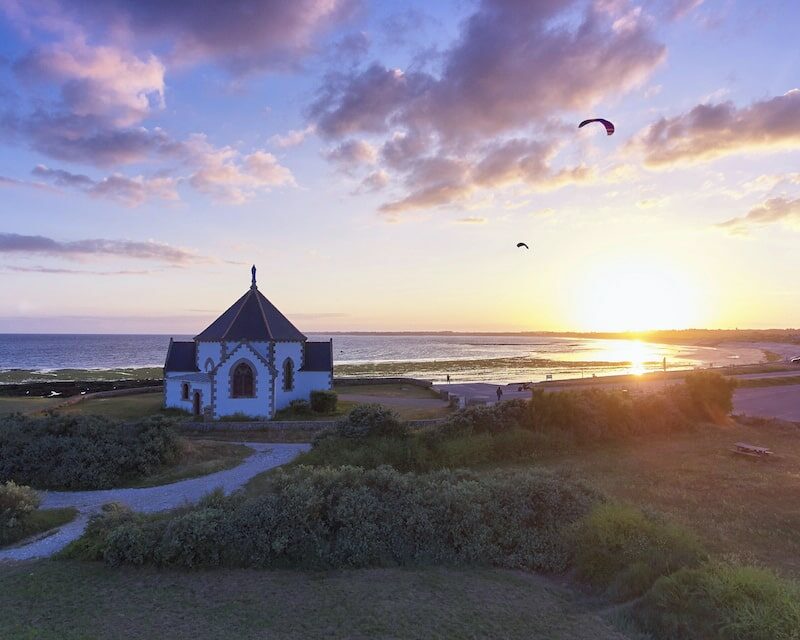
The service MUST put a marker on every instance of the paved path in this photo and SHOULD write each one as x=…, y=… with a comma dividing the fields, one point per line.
x=149, y=499
x=781, y=402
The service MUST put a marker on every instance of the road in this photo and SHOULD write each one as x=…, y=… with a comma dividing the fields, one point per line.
x=781, y=402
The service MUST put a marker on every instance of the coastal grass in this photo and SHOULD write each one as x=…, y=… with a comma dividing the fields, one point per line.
x=740, y=508
x=343, y=407
x=129, y=407
x=197, y=458
x=36, y=522
x=68, y=375
x=26, y=404
x=394, y=390
x=73, y=600
x=777, y=381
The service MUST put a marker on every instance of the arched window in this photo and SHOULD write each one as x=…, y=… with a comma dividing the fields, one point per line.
x=185, y=391
x=243, y=386
x=288, y=375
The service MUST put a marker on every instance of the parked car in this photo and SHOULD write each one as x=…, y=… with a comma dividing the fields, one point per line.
x=795, y=360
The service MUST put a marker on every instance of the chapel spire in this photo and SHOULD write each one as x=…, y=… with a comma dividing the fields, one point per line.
x=253, y=283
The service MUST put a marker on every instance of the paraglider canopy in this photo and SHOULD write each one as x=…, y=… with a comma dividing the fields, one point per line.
x=522, y=244
x=606, y=123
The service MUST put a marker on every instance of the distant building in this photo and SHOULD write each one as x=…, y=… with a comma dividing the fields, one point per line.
x=251, y=360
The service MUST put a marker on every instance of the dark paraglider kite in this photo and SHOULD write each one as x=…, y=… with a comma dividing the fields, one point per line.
x=522, y=244
x=606, y=123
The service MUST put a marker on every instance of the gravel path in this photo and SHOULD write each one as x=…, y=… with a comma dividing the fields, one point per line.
x=149, y=499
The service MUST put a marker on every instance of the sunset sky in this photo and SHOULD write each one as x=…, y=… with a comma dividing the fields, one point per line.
x=378, y=162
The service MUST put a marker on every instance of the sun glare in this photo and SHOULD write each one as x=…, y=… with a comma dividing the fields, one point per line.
x=635, y=296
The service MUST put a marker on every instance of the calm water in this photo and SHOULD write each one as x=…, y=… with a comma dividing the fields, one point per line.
x=464, y=357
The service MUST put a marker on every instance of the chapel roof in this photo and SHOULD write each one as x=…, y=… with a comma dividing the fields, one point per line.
x=252, y=317
x=317, y=356
x=181, y=356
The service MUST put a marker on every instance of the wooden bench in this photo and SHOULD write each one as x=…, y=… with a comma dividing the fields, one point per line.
x=745, y=449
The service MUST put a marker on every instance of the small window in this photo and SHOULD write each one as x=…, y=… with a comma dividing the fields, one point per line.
x=243, y=381
x=185, y=391
x=288, y=375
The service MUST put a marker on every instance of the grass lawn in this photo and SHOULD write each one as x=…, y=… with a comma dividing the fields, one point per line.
x=68, y=600
x=777, y=381
x=198, y=458
x=739, y=506
x=38, y=521
x=343, y=407
x=386, y=390
x=120, y=407
x=24, y=404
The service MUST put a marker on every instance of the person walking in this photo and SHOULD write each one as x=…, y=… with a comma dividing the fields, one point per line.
x=448, y=378
x=499, y=394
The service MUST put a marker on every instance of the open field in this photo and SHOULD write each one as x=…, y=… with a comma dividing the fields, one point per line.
x=28, y=375
x=67, y=600
x=121, y=407
x=386, y=390
x=739, y=506
x=25, y=404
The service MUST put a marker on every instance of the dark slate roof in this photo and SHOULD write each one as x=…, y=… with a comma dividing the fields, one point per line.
x=318, y=356
x=181, y=356
x=252, y=317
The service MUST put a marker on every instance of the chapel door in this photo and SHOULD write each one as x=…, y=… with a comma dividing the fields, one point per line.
x=196, y=403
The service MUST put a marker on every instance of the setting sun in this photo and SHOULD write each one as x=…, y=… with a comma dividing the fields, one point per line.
x=636, y=295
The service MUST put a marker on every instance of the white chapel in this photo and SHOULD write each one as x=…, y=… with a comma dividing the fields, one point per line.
x=251, y=360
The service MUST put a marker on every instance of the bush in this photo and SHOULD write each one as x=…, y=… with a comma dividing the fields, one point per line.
x=721, y=601
x=83, y=452
x=710, y=394
x=16, y=502
x=624, y=551
x=369, y=421
x=349, y=517
x=324, y=402
x=299, y=408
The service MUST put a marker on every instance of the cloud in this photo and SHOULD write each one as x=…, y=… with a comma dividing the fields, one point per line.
x=241, y=35
x=375, y=181
x=16, y=244
x=710, y=131
x=772, y=211
x=56, y=271
x=513, y=68
x=352, y=153
x=105, y=81
x=227, y=175
x=292, y=138
x=439, y=180
x=87, y=139
x=472, y=220
x=129, y=191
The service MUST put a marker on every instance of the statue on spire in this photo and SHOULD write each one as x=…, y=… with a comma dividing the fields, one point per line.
x=253, y=271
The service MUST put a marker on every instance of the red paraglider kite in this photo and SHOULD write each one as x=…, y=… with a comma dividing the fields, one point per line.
x=606, y=123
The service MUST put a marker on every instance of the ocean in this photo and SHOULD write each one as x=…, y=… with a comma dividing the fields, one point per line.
x=465, y=357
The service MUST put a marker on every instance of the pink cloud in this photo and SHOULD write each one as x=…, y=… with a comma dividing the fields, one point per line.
x=507, y=76
x=772, y=211
x=710, y=131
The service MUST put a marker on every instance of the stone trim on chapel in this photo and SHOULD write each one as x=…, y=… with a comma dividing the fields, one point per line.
x=251, y=361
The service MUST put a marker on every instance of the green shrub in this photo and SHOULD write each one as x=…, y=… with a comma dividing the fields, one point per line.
x=16, y=502
x=624, y=551
x=349, y=517
x=710, y=394
x=324, y=402
x=300, y=408
x=83, y=452
x=371, y=420
x=721, y=602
